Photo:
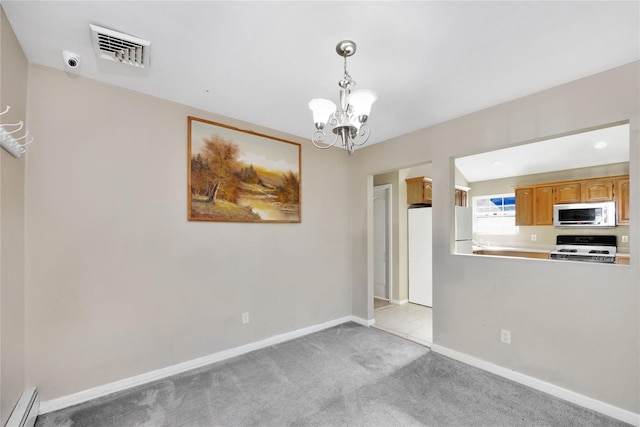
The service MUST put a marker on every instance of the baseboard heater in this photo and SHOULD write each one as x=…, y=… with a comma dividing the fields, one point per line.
x=26, y=411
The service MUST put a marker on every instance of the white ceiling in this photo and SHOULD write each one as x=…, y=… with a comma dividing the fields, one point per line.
x=262, y=61
x=567, y=152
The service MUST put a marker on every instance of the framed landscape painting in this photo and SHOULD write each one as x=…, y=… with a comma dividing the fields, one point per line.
x=241, y=176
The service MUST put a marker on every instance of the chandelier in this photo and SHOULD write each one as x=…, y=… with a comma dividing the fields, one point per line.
x=349, y=119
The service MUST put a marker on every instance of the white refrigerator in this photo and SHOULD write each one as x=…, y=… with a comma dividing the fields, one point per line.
x=463, y=230
x=420, y=237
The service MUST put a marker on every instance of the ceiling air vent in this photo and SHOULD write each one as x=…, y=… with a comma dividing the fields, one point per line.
x=119, y=47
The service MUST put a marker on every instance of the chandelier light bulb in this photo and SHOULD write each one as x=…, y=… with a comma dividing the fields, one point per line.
x=322, y=109
x=361, y=101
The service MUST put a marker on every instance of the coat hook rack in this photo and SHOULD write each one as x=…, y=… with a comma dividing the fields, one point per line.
x=13, y=144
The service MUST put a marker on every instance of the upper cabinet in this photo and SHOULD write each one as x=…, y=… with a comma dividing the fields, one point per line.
x=597, y=191
x=427, y=190
x=534, y=202
x=462, y=196
x=524, y=206
x=621, y=196
x=584, y=191
x=569, y=192
x=542, y=205
x=420, y=192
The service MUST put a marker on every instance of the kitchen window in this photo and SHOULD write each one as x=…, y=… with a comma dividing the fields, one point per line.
x=495, y=214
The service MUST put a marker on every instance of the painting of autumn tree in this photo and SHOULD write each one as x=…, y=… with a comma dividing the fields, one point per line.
x=238, y=175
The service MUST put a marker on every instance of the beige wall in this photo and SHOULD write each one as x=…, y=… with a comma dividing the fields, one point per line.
x=13, y=92
x=577, y=328
x=119, y=283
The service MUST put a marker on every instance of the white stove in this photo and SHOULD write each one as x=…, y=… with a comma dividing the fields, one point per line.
x=600, y=249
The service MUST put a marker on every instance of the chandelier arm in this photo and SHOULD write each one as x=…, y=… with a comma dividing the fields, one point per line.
x=364, y=132
x=318, y=138
x=334, y=119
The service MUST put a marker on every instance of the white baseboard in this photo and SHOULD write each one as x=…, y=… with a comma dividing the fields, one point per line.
x=117, y=386
x=26, y=410
x=559, y=392
x=399, y=301
x=362, y=321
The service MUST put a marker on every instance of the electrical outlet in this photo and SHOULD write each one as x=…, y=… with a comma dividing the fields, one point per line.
x=505, y=336
x=534, y=237
x=625, y=239
x=245, y=318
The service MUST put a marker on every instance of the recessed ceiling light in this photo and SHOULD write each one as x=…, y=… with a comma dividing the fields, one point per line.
x=599, y=145
x=497, y=163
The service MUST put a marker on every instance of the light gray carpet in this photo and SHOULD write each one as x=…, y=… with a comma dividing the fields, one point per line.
x=348, y=375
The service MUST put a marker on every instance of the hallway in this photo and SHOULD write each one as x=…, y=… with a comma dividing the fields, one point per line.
x=410, y=321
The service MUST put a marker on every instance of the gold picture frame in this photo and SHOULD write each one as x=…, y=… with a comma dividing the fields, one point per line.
x=237, y=175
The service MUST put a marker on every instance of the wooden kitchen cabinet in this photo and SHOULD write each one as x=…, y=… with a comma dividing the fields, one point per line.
x=414, y=190
x=621, y=197
x=524, y=206
x=461, y=196
x=597, y=191
x=623, y=260
x=534, y=206
x=583, y=191
x=427, y=191
x=543, y=206
x=513, y=253
x=569, y=192
x=419, y=190
x=534, y=202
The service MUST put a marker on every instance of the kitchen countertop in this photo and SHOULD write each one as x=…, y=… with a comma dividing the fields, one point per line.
x=623, y=254
x=511, y=248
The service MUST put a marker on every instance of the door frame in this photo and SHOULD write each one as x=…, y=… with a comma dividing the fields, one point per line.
x=388, y=190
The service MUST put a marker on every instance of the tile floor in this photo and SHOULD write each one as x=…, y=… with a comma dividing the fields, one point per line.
x=410, y=321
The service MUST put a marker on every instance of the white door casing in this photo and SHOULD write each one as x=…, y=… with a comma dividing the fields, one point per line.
x=381, y=223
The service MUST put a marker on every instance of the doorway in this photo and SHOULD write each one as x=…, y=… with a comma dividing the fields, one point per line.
x=392, y=311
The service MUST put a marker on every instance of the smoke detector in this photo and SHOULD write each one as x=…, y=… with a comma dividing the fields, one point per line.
x=119, y=47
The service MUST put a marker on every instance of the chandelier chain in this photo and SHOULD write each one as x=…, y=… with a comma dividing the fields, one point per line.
x=347, y=76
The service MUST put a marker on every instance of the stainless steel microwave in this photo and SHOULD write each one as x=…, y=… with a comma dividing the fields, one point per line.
x=600, y=214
